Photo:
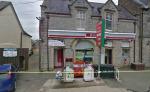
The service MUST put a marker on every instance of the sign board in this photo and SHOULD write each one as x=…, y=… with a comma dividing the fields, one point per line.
x=9, y=52
x=68, y=74
x=88, y=73
x=125, y=44
x=98, y=33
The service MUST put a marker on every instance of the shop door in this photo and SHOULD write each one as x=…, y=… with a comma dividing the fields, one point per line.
x=59, y=58
x=108, y=56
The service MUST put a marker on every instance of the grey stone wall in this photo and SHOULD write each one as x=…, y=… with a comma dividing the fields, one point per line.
x=68, y=22
x=126, y=26
x=117, y=53
x=111, y=8
x=43, y=35
x=136, y=10
x=146, y=51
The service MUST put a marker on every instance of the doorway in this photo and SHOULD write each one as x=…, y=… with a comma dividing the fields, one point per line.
x=108, y=56
x=59, y=58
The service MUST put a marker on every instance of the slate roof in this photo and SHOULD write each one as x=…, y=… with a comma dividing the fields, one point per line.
x=63, y=7
x=58, y=6
x=25, y=33
x=142, y=3
x=124, y=13
x=4, y=4
x=96, y=6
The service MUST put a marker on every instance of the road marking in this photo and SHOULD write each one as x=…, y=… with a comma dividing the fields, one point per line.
x=49, y=72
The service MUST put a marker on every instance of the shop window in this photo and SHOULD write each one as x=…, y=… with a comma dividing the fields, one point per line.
x=84, y=56
x=109, y=19
x=125, y=55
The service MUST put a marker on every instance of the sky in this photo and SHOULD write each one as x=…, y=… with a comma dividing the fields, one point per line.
x=28, y=10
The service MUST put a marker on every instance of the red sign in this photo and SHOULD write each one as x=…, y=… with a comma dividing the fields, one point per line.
x=90, y=35
x=98, y=33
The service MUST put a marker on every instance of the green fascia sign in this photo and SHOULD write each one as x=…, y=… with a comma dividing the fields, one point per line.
x=103, y=33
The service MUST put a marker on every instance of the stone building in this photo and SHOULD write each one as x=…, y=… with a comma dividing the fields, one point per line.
x=68, y=33
x=140, y=9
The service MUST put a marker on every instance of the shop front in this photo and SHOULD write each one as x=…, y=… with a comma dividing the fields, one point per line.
x=58, y=56
x=78, y=48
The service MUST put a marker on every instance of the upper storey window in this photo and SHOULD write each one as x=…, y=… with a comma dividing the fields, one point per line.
x=81, y=19
x=109, y=21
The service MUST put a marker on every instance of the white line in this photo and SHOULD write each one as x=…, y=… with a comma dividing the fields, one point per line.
x=143, y=71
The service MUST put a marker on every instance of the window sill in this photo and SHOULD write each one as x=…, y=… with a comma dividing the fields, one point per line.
x=82, y=29
x=108, y=30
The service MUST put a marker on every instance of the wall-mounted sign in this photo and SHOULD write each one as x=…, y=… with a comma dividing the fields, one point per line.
x=98, y=33
x=109, y=44
x=125, y=44
x=9, y=52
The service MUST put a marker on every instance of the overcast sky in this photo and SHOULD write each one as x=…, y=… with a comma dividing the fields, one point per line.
x=28, y=10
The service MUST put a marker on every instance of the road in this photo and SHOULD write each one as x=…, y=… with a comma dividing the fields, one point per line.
x=32, y=82
x=137, y=81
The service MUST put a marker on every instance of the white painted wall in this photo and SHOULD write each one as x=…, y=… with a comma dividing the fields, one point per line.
x=26, y=42
x=10, y=30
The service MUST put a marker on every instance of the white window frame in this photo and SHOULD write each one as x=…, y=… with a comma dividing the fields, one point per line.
x=81, y=19
x=110, y=20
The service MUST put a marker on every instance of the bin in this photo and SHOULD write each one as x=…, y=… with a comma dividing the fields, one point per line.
x=95, y=67
x=137, y=66
x=68, y=74
x=88, y=73
x=78, y=69
x=107, y=71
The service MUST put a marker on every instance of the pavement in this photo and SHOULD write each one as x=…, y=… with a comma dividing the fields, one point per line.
x=35, y=82
x=79, y=85
x=130, y=81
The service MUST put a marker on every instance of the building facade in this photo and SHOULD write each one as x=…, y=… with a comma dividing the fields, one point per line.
x=12, y=36
x=140, y=9
x=68, y=33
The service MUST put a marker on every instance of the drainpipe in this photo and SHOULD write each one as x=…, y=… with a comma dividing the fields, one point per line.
x=134, y=42
x=40, y=44
x=48, y=68
x=141, y=37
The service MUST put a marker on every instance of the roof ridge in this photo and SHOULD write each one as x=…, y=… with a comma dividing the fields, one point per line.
x=96, y=2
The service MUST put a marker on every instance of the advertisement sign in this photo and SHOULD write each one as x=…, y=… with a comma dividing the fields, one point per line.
x=10, y=52
x=98, y=33
x=79, y=55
